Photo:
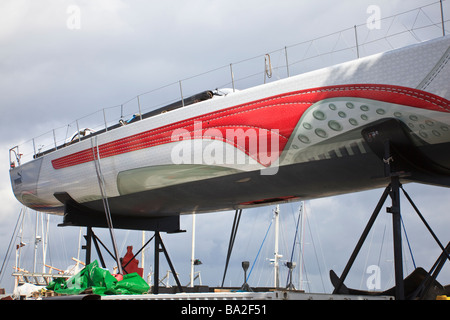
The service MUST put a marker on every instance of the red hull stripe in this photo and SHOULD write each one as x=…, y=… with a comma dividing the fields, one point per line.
x=275, y=116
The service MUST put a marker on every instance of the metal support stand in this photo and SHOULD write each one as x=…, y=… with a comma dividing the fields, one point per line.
x=397, y=237
x=237, y=218
x=156, y=275
x=96, y=240
x=392, y=191
x=87, y=246
x=92, y=237
x=159, y=247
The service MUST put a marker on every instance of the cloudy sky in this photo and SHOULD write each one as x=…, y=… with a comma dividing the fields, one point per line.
x=60, y=61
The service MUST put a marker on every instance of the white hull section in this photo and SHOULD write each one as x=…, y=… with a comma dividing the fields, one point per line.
x=311, y=117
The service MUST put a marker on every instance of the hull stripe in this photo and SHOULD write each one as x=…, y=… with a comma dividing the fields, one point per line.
x=276, y=117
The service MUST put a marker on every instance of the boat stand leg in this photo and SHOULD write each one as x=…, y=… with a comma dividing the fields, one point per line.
x=393, y=190
x=159, y=247
x=88, y=245
x=440, y=262
x=237, y=218
x=362, y=239
x=397, y=237
x=445, y=255
x=96, y=241
x=444, y=251
x=97, y=248
x=166, y=254
x=92, y=237
x=433, y=273
x=156, y=275
x=138, y=252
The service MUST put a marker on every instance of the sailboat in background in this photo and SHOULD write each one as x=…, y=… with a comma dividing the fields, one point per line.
x=293, y=251
x=29, y=281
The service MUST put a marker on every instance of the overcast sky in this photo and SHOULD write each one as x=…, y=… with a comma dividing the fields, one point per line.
x=60, y=61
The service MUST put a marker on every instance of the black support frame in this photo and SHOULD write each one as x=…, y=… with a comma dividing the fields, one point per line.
x=159, y=247
x=392, y=191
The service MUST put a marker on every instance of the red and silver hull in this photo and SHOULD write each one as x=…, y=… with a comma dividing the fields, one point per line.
x=297, y=138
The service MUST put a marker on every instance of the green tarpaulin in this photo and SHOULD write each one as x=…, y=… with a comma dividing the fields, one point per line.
x=100, y=281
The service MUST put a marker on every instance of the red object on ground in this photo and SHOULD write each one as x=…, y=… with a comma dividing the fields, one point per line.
x=133, y=265
x=118, y=276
